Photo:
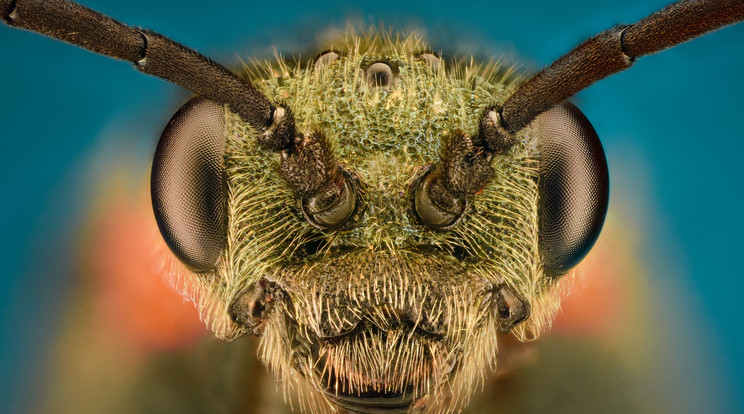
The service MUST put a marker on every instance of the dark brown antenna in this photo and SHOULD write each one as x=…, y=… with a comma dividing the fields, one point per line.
x=156, y=55
x=607, y=53
x=329, y=195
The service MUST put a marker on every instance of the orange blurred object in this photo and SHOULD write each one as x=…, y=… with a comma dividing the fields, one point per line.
x=131, y=295
x=598, y=297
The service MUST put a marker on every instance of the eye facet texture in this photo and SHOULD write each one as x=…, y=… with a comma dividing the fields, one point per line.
x=188, y=184
x=574, y=187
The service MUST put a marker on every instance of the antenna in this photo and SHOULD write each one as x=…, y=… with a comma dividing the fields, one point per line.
x=609, y=52
x=156, y=55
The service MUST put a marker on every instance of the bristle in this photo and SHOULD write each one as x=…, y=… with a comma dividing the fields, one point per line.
x=388, y=276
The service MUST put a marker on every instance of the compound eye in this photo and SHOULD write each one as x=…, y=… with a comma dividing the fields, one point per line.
x=333, y=206
x=188, y=184
x=574, y=187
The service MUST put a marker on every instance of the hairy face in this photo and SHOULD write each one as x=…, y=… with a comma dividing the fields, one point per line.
x=383, y=313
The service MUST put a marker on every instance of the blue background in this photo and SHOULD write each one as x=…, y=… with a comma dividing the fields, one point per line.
x=671, y=126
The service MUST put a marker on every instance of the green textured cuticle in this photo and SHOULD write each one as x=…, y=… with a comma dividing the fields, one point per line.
x=384, y=135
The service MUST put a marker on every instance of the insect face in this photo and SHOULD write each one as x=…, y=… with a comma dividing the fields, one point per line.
x=380, y=215
x=383, y=297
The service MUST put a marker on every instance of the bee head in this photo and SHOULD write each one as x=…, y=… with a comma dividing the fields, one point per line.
x=389, y=225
